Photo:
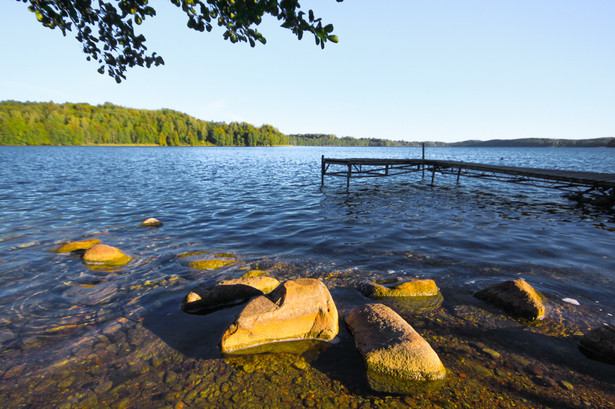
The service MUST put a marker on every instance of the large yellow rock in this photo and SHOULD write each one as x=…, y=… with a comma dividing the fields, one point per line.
x=103, y=254
x=227, y=293
x=517, y=297
x=395, y=355
x=295, y=310
x=415, y=288
x=78, y=245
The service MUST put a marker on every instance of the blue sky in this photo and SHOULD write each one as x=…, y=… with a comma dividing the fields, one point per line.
x=404, y=70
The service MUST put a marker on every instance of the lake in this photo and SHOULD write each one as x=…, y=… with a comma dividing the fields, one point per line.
x=73, y=336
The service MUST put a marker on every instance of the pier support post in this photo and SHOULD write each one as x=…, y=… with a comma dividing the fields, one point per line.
x=458, y=175
x=322, y=170
x=433, y=174
x=348, y=176
x=423, y=165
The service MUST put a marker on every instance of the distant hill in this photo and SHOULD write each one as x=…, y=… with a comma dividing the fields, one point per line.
x=540, y=143
x=47, y=123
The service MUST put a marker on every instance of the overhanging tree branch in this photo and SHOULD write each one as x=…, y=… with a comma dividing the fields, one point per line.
x=110, y=24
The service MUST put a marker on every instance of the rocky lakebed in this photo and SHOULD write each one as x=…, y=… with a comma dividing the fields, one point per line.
x=274, y=334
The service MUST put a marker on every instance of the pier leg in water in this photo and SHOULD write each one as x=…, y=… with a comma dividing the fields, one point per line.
x=348, y=176
x=322, y=170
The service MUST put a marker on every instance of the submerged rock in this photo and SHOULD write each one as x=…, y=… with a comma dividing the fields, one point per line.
x=103, y=254
x=599, y=344
x=395, y=355
x=226, y=294
x=255, y=273
x=415, y=288
x=517, y=297
x=296, y=309
x=152, y=222
x=78, y=245
x=213, y=264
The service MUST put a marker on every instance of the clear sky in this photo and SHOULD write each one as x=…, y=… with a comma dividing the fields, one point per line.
x=437, y=70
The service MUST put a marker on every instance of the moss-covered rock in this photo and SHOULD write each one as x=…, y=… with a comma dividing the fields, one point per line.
x=78, y=245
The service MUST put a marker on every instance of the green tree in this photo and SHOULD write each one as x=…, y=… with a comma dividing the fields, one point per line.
x=110, y=25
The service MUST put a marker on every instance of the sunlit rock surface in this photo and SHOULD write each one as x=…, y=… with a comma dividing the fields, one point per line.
x=296, y=309
x=78, y=245
x=395, y=355
x=415, y=288
x=103, y=254
x=152, y=222
x=517, y=297
x=227, y=293
x=599, y=344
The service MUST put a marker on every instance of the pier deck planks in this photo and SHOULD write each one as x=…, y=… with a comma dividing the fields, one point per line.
x=377, y=167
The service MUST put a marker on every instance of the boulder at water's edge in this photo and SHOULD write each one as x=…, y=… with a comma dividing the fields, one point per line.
x=295, y=310
x=599, y=344
x=395, y=355
x=517, y=297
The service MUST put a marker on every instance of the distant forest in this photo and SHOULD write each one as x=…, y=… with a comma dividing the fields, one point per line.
x=47, y=123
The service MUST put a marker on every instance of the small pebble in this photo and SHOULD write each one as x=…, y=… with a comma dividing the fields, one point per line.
x=300, y=365
x=491, y=352
x=566, y=385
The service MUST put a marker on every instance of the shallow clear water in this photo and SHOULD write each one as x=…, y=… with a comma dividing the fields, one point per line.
x=267, y=207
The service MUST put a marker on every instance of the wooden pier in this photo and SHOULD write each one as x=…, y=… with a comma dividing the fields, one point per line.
x=598, y=185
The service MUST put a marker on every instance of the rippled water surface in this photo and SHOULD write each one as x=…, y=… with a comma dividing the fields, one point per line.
x=265, y=208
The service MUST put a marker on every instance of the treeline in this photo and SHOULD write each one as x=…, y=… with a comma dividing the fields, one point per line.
x=27, y=123
x=332, y=140
x=47, y=123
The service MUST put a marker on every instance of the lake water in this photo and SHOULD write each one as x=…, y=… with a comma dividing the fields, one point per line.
x=72, y=336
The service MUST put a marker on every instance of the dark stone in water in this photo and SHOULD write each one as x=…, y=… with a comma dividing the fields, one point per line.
x=599, y=344
x=211, y=299
x=517, y=297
